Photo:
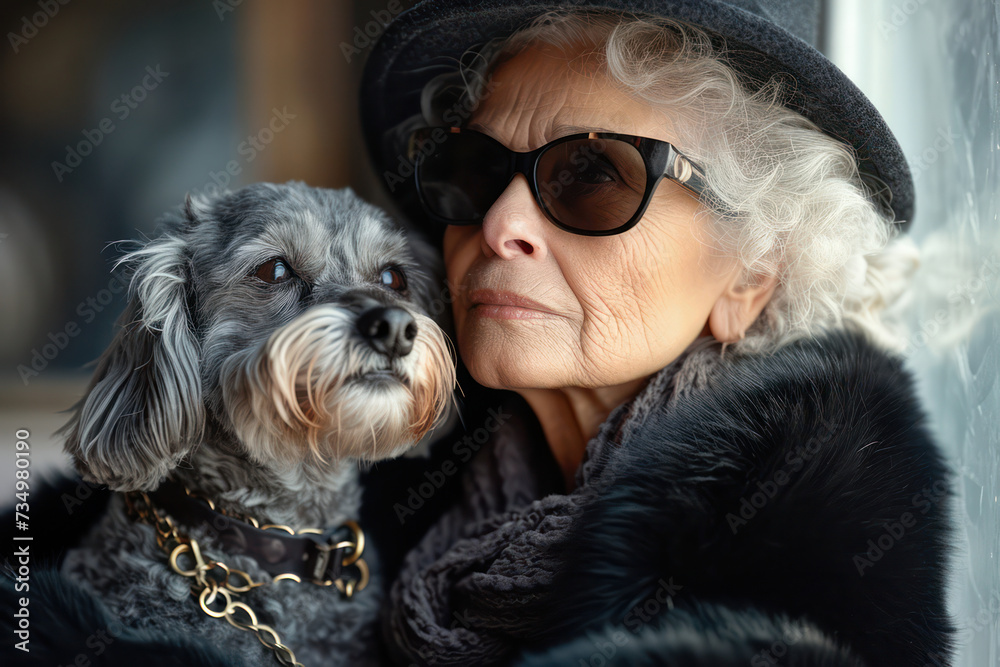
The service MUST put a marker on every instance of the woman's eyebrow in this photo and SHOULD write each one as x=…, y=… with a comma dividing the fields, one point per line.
x=563, y=130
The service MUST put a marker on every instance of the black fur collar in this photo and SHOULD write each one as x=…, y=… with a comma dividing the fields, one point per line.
x=796, y=513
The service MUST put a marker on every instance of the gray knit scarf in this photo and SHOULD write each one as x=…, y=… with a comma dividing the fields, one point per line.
x=459, y=597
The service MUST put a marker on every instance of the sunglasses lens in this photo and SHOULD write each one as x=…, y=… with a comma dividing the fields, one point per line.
x=593, y=185
x=460, y=175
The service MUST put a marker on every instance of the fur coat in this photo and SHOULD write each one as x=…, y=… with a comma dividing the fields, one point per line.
x=754, y=510
x=741, y=510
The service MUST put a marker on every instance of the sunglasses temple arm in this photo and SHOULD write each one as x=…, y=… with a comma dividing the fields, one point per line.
x=685, y=172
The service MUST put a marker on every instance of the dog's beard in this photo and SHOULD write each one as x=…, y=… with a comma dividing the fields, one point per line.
x=314, y=391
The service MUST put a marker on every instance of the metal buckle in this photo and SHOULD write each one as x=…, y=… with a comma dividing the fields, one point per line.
x=329, y=561
x=329, y=555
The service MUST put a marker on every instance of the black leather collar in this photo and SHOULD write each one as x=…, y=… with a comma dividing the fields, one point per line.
x=309, y=556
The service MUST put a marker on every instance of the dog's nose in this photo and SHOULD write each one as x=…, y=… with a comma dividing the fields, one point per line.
x=390, y=331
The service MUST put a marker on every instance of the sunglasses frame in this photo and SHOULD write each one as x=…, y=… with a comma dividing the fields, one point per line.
x=661, y=160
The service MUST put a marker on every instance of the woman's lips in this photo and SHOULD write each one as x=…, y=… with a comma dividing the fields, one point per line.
x=505, y=305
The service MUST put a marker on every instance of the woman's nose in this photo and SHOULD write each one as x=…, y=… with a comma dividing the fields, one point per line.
x=515, y=225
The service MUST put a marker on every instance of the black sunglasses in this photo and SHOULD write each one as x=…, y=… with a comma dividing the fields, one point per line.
x=592, y=183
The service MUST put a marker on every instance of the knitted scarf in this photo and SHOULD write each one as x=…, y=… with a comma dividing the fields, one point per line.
x=459, y=597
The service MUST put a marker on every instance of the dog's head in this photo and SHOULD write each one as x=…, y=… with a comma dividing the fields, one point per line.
x=291, y=322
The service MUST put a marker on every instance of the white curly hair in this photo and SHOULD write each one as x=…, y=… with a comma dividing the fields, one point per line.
x=785, y=198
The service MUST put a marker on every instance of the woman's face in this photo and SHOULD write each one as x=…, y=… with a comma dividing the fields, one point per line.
x=607, y=310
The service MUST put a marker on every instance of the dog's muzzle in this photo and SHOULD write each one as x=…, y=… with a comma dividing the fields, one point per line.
x=358, y=378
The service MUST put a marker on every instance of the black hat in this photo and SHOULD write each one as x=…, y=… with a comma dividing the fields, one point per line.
x=762, y=38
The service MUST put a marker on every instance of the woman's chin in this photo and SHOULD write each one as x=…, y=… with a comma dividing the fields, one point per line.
x=510, y=365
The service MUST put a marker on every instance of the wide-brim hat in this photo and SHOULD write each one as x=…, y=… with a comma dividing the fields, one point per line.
x=762, y=38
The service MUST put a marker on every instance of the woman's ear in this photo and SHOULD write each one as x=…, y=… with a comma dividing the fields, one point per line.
x=739, y=305
x=143, y=410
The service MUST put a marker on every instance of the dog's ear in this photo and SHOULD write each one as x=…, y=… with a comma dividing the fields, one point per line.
x=143, y=410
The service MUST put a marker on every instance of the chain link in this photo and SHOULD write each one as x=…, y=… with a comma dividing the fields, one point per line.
x=214, y=580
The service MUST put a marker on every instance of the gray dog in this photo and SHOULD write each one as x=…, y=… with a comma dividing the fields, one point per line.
x=275, y=338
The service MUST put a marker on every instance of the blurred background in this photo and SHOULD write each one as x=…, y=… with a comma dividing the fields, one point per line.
x=112, y=111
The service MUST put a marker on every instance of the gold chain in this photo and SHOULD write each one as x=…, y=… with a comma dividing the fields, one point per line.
x=214, y=580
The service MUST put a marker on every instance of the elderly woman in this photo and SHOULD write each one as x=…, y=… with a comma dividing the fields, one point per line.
x=669, y=236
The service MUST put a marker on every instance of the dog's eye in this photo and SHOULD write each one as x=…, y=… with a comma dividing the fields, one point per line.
x=393, y=278
x=275, y=270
